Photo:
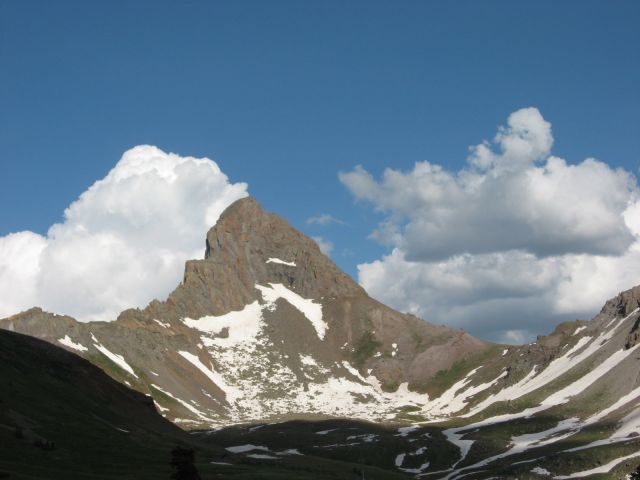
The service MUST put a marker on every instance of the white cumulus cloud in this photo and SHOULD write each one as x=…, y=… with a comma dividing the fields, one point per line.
x=123, y=242
x=514, y=242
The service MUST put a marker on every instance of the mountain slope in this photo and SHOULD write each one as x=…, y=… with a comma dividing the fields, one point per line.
x=60, y=416
x=566, y=406
x=266, y=326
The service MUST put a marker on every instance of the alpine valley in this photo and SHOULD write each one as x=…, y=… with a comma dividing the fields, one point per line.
x=276, y=364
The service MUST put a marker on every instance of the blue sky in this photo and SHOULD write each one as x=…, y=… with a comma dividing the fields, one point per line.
x=284, y=95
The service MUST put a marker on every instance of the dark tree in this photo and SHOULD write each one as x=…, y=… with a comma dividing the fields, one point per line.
x=182, y=462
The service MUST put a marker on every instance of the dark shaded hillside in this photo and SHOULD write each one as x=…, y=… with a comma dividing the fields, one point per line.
x=62, y=417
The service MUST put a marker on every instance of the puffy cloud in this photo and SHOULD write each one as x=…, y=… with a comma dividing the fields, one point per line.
x=19, y=269
x=508, y=246
x=326, y=246
x=123, y=242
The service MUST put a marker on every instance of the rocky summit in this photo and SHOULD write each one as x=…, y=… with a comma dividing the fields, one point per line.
x=267, y=329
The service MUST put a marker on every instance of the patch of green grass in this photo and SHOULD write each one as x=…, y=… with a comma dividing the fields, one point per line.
x=443, y=379
x=365, y=348
x=161, y=397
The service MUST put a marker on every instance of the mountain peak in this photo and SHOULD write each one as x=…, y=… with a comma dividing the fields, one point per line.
x=249, y=246
x=246, y=222
x=271, y=326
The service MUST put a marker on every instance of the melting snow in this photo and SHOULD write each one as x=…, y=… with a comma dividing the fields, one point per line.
x=455, y=397
x=186, y=405
x=627, y=427
x=310, y=309
x=540, y=471
x=579, y=329
x=247, y=448
x=404, y=431
x=606, y=468
x=290, y=451
x=308, y=360
x=632, y=395
x=162, y=324
x=455, y=435
x=366, y=438
x=554, y=370
x=258, y=382
x=281, y=262
x=160, y=407
x=232, y=394
x=400, y=459
x=242, y=326
x=66, y=341
x=420, y=469
x=114, y=357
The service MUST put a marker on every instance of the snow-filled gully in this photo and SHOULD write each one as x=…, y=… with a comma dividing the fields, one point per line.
x=564, y=428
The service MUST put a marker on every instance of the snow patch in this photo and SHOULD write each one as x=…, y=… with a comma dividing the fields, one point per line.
x=404, y=431
x=232, y=394
x=247, y=448
x=420, y=469
x=67, y=342
x=540, y=471
x=579, y=329
x=242, y=326
x=160, y=407
x=281, y=262
x=310, y=309
x=290, y=451
x=606, y=468
x=186, y=405
x=114, y=357
x=455, y=435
